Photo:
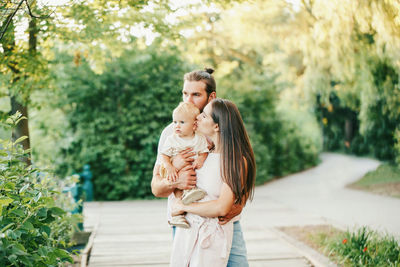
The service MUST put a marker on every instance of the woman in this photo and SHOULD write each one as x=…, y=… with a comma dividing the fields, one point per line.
x=228, y=177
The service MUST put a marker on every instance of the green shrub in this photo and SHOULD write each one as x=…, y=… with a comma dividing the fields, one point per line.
x=397, y=146
x=115, y=118
x=366, y=248
x=34, y=227
x=281, y=144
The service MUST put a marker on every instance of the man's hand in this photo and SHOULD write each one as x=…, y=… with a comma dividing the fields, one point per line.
x=235, y=210
x=183, y=158
x=186, y=178
x=177, y=207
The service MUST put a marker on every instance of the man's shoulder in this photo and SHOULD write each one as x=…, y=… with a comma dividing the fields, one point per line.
x=168, y=130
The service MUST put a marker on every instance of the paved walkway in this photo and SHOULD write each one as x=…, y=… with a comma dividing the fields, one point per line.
x=135, y=233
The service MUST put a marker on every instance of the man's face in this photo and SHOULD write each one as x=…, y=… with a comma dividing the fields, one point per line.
x=195, y=92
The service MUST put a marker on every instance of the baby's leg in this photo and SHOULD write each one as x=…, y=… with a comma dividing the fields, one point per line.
x=192, y=195
x=179, y=220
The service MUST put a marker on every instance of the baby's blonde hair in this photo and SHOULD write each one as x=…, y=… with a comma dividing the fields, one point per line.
x=187, y=108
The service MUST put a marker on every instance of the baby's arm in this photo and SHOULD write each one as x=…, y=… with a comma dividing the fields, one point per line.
x=172, y=173
x=198, y=163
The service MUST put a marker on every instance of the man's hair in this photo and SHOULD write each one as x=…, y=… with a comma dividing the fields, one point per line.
x=204, y=76
x=187, y=108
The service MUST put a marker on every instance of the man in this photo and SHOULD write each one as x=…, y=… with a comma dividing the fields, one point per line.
x=199, y=88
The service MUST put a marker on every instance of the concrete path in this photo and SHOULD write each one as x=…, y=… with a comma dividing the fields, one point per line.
x=321, y=192
x=135, y=233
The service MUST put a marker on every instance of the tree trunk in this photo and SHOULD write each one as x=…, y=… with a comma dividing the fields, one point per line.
x=22, y=128
x=20, y=103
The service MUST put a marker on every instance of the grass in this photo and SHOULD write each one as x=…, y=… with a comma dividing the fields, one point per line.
x=385, y=180
x=362, y=248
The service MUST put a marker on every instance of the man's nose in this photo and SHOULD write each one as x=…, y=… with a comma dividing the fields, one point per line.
x=190, y=99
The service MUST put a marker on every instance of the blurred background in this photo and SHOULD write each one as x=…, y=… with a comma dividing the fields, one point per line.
x=98, y=80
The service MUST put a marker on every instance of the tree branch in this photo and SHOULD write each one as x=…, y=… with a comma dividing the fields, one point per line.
x=10, y=17
x=33, y=16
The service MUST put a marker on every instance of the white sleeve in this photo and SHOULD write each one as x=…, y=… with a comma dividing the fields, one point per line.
x=164, y=135
x=167, y=147
x=202, y=146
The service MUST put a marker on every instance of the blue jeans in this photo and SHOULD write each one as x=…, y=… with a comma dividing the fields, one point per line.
x=238, y=255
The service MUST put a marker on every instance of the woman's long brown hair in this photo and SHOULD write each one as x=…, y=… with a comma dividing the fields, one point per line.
x=238, y=166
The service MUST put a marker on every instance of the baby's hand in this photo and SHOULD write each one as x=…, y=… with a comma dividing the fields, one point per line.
x=172, y=174
x=197, y=164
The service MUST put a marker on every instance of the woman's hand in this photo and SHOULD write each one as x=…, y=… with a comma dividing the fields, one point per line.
x=177, y=207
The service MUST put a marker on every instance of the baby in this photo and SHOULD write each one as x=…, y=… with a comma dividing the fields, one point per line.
x=184, y=118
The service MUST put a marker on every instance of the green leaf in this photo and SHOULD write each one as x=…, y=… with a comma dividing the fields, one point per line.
x=42, y=213
x=57, y=211
x=20, y=119
x=63, y=254
x=22, y=190
x=5, y=201
x=45, y=230
x=28, y=226
x=18, y=212
x=19, y=140
x=37, y=197
x=9, y=186
x=6, y=227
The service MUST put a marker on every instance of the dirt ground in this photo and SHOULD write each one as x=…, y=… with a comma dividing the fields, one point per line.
x=386, y=189
x=313, y=235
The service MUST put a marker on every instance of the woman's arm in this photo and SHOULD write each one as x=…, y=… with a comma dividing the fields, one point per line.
x=212, y=208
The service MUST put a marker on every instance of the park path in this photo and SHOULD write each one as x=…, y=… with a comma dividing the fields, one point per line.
x=135, y=233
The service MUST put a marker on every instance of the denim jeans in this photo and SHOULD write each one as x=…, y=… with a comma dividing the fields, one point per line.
x=238, y=254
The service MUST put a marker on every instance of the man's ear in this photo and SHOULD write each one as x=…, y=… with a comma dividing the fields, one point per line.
x=212, y=96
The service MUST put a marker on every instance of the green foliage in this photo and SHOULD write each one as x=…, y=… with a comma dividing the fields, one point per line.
x=382, y=112
x=279, y=143
x=366, y=248
x=34, y=227
x=117, y=117
x=385, y=173
x=397, y=147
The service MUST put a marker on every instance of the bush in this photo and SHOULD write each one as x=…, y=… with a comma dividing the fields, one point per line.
x=366, y=248
x=117, y=117
x=34, y=227
x=280, y=144
x=397, y=147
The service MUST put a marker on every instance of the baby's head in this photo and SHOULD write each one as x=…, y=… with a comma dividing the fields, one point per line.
x=184, y=118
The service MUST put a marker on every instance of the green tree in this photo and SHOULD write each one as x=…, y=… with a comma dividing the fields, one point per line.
x=117, y=117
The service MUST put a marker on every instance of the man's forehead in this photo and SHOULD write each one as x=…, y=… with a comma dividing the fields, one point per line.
x=194, y=87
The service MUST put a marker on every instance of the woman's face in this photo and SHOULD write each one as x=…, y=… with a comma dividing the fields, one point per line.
x=205, y=123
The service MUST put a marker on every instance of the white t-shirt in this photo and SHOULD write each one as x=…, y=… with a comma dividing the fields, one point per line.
x=175, y=144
